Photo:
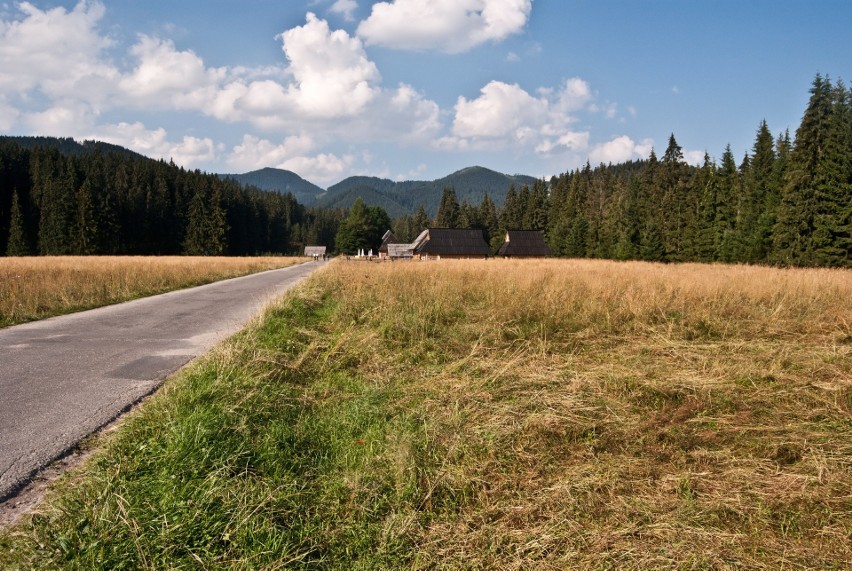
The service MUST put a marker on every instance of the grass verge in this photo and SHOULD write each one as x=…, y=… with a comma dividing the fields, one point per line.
x=33, y=288
x=504, y=415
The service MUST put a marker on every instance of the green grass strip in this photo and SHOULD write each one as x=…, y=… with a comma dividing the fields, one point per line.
x=244, y=461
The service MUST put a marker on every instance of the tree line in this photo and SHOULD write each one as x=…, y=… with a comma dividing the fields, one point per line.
x=785, y=203
x=56, y=200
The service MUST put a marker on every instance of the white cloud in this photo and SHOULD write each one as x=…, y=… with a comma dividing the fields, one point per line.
x=501, y=110
x=188, y=152
x=506, y=116
x=575, y=94
x=295, y=153
x=694, y=158
x=166, y=77
x=8, y=116
x=346, y=8
x=450, y=26
x=56, y=51
x=61, y=120
x=333, y=76
x=619, y=149
x=255, y=153
x=323, y=168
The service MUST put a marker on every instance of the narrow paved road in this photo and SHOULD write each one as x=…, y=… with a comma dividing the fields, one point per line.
x=63, y=378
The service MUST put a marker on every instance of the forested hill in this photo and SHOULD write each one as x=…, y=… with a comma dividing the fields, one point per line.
x=62, y=197
x=281, y=181
x=68, y=146
x=398, y=198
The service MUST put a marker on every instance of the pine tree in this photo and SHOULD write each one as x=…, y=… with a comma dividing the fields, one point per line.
x=449, y=212
x=421, y=220
x=832, y=237
x=758, y=200
x=206, y=232
x=706, y=184
x=511, y=217
x=727, y=196
x=57, y=213
x=673, y=188
x=794, y=229
x=19, y=243
x=490, y=223
x=85, y=232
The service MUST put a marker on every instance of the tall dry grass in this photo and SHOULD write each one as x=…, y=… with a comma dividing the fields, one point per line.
x=37, y=287
x=592, y=414
x=490, y=415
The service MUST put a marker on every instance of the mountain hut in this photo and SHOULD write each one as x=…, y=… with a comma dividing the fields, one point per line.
x=524, y=244
x=450, y=243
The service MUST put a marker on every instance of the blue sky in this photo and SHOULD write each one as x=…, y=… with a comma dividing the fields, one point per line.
x=414, y=89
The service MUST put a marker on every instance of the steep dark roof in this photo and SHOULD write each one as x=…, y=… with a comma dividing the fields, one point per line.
x=524, y=244
x=451, y=242
x=388, y=238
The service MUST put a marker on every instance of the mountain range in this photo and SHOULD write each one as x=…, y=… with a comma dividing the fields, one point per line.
x=397, y=198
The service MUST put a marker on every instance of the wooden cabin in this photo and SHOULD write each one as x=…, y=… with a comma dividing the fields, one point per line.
x=400, y=251
x=437, y=243
x=315, y=252
x=387, y=240
x=524, y=244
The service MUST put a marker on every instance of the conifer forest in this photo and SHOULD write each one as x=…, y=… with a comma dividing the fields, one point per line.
x=787, y=202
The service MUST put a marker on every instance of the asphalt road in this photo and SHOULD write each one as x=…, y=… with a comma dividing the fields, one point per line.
x=63, y=378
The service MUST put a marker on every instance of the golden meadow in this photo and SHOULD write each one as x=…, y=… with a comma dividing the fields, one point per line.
x=558, y=414
x=37, y=287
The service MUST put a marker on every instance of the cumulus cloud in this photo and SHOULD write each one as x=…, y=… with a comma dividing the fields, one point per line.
x=62, y=119
x=694, y=158
x=620, y=149
x=346, y=8
x=54, y=50
x=506, y=116
x=189, y=151
x=295, y=153
x=450, y=26
x=167, y=77
x=332, y=73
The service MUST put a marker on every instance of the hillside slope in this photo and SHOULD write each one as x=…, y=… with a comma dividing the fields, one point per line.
x=470, y=184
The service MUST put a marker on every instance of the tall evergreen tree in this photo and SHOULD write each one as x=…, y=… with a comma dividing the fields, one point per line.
x=57, y=213
x=449, y=212
x=793, y=232
x=18, y=243
x=421, y=220
x=758, y=200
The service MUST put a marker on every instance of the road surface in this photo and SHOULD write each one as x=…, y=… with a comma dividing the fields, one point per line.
x=63, y=378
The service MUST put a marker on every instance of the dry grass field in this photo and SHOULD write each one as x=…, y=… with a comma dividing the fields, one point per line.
x=492, y=415
x=597, y=414
x=37, y=287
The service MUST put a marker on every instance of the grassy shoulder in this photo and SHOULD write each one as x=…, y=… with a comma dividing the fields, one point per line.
x=33, y=288
x=494, y=414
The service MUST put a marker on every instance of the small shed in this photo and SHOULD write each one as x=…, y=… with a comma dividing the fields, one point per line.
x=451, y=243
x=315, y=252
x=400, y=251
x=524, y=244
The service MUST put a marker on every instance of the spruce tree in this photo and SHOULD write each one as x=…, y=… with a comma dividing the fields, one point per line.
x=758, y=200
x=449, y=212
x=18, y=243
x=421, y=220
x=511, y=217
x=727, y=197
x=794, y=229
